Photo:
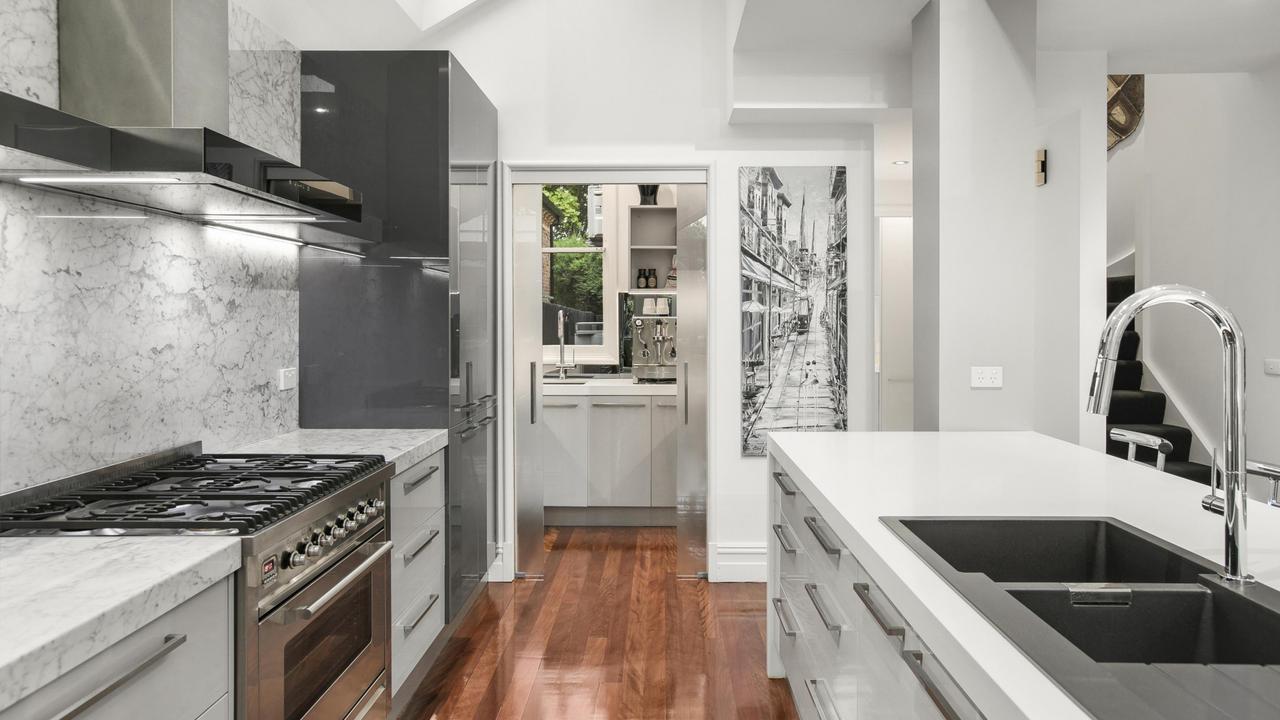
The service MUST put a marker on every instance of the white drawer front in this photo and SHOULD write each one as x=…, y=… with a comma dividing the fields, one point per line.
x=413, y=631
x=417, y=564
x=189, y=649
x=416, y=495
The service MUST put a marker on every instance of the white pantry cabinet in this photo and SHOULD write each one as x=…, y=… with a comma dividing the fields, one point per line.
x=176, y=667
x=846, y=651
x=665, y=422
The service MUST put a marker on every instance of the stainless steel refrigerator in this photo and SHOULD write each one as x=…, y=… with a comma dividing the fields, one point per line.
x=406, y=336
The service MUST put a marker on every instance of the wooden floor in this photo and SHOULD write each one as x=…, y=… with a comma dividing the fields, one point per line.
x=609, y=633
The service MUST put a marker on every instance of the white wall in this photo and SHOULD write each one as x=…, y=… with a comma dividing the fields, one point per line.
x=577, y=81
x=1212, y=169
x=896, y=330
x=975, y=285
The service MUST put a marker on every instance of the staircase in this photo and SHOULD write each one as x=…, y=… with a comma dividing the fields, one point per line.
x=1141, y=410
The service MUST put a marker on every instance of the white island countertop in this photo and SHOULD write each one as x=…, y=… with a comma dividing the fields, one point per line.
x=855, y=479
x=622, y=385
x=65, y=599
x=404, y=447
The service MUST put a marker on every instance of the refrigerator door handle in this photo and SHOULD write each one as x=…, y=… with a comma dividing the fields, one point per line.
x=533, y=392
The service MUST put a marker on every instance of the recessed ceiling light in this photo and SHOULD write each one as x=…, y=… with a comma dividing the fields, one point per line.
x=98, y=180
x=322, y=110
x=901, y=162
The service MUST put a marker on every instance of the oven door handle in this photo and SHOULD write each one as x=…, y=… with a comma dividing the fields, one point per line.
x=287, y=616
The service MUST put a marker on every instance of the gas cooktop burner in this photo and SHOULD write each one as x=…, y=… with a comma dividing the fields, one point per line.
x=205, y=494
x=125, y=511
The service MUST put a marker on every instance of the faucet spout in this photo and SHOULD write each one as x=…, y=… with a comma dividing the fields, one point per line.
x=1233, y=378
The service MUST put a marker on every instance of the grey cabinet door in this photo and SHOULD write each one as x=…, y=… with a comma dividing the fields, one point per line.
x=619, y=468
x=663, y=459
x=566, y=441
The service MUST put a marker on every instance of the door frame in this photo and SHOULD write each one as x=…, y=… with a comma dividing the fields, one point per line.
x=504, y=566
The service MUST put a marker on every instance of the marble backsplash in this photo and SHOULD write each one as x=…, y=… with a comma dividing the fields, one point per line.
x=265, y=102
x=119, y=337
x=29, y=49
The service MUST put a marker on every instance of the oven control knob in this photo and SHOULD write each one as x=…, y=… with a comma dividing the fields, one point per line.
x=326, y=537
x=339, y=527
x=361, y=517
x=375, y=507
x=350, y=524
x=313, y=550
x=297, y=559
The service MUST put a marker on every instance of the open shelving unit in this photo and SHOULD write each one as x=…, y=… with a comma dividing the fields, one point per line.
x=652, y=244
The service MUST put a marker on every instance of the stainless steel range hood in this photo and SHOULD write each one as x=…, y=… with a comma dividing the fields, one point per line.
x=126, y=64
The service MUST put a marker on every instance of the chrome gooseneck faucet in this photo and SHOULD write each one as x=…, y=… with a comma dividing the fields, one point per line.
x=1233, y=455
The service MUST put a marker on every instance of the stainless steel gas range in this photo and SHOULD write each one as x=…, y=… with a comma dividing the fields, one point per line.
x=312, y=595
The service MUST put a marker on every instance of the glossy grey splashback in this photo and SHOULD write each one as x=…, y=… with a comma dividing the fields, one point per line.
x=119, y=337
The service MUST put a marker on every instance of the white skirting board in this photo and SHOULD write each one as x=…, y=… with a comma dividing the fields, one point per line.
x=738, y=562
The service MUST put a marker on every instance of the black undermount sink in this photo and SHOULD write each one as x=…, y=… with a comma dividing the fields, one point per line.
x=1127, y=624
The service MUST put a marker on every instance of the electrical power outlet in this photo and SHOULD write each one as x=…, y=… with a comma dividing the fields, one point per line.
x=1271, y=366
x=986, y=377
x=287, y=378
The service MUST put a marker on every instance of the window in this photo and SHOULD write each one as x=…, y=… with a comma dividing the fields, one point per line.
x=578, y=277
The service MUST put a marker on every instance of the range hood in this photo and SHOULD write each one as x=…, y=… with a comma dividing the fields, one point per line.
x=143, y=124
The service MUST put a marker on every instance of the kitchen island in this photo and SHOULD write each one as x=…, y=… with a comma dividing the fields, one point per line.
x=854, y=480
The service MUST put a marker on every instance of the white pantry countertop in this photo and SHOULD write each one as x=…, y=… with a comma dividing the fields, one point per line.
x=404, y=447
x=607, y=386
x=854, y=479
x=65, y=599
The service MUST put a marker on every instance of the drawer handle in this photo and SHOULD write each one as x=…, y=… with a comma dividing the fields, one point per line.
x=820, y=696
x=783, y=540
x=418, y=547
x=820, y=604
x=171, y=643
x=619, y=404
x=784, y=482
x=373, y=703
x=409, y=627
x=486, y=398
x=785, y=619
x=863, y=591
x=822, y=532
x=415, y=483
x=915, y=661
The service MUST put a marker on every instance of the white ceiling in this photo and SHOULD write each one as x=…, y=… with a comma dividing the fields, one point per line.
x=352, y=25
x=866, y=26
x=1165, y=36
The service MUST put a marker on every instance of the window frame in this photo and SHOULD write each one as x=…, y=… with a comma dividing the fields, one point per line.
x=608, y=353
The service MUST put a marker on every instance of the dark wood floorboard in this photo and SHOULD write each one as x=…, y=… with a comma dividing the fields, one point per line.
x=608, y=633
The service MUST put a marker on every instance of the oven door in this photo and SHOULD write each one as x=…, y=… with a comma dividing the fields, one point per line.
x=322, y=651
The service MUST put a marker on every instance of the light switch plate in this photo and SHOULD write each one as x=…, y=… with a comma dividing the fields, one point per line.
x=986, y=377
x=287, y=378
x=1271, y=366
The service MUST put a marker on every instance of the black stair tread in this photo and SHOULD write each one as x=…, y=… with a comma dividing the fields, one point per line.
x=1179, y=436
x=1189, y=470
x=1129, y=343
x=1136, y=406
x=1120, y=287
x=1128, y=375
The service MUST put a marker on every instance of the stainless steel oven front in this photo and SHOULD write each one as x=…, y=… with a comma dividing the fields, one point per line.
x=323, y=651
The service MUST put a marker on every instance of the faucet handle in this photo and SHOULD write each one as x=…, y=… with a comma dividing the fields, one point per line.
x=1270, y=471
x=1133, y=438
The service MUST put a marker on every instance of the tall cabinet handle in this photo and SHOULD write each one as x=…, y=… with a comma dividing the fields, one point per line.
x=533, y=392
x=171, y=643
x=820, y=695
x=686, y=392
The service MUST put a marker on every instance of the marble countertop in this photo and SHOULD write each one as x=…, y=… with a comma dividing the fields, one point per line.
x=65, y=599
x=607, y=386
x=404, y=447
x=854, y=479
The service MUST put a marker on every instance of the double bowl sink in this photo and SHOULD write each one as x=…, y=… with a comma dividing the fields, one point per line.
x=1128, y=625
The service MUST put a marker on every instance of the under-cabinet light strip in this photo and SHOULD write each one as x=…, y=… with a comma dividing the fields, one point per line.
x=99, y=180
x=254, y=235
x=335, y=250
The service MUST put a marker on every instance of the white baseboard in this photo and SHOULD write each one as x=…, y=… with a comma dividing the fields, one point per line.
x=738, y=562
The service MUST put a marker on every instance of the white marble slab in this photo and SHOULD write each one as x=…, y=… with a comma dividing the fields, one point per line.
x=66, y=599
x=264, y=87
x=29, y=49
x=854, y=479
x=608, y=386
x=404, y=447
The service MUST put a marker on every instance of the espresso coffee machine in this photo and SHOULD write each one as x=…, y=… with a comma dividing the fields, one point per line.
x=653, y=348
